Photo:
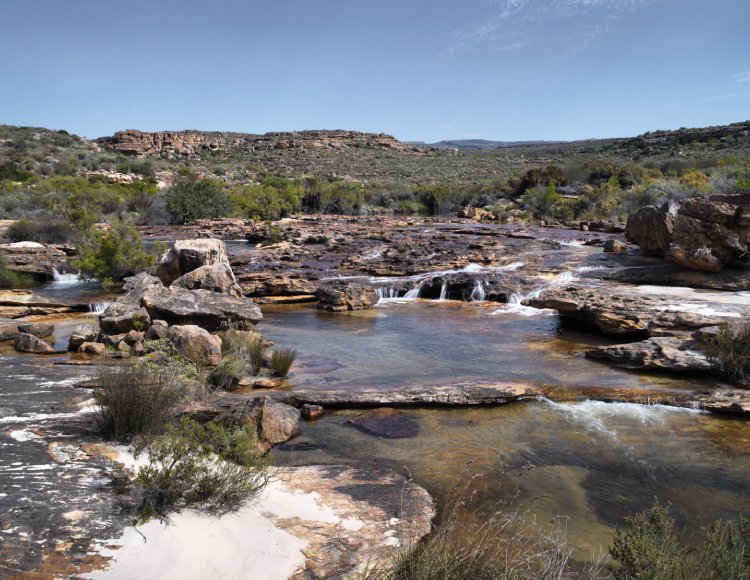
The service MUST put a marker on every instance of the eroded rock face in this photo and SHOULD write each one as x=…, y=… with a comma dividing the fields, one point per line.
x=196, y=344
x=343, y=296
x=699, y=234
x=34, y=259
x=188, y=255
x=209, y=310
x=216, y=277
x=650, y=228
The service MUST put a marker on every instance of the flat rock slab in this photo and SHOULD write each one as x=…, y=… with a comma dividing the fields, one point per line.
x=413, y=396
x=667, y=353
x=310, y=522
x=387, y=422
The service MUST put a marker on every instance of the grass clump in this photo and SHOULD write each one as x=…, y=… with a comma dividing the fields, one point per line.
x=215, y=467
x=136, y=399
x=282, y=360
x=729, y=352
x=249, y=346
x=8, y=278
x=228, y=372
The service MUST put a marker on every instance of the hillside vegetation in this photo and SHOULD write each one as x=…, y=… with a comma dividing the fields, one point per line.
x=54, y=179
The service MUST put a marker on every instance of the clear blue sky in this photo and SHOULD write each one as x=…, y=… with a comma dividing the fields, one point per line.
x=418, y=69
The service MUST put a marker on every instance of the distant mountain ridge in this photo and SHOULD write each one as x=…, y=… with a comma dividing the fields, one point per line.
x=480, y=144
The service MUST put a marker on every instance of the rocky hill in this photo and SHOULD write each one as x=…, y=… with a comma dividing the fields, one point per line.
x=172, y=144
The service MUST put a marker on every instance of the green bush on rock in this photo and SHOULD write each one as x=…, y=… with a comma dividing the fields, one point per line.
x=215, y=467
x=729, y=352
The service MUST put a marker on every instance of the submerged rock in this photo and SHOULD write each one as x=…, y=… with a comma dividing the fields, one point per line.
x=386, y=422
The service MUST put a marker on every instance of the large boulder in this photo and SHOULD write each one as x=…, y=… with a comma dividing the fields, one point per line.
x=340, y=297
x=8, y=332
x=699, y=234
x=210, y=310
x=30, y=343
x=196, y=344
x=274, y=422
x=188, y=255
x=38, y=329
x=665, y=353
x=216, y=277
x=650, y=228
x=126, y=313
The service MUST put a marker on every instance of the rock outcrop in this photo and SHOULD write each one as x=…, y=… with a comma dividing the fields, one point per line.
x=659, y=353
x=343, y=296
x=33, y=344
x=216, y=277
x=34, y=259
x=188, y=255
x=209, y=310
x=699, y=234
x=173, y=144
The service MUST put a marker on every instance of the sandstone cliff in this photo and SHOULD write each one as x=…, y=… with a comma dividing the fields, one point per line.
x=187, y=143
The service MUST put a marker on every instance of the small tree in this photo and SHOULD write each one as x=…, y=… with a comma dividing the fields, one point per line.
x=542, y=201
x=115, y=253
x=191, y=198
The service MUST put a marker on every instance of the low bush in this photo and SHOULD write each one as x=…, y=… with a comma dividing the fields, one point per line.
x=8, y=279
x=650, y=548
x=228, y=372
x=729, y=352
x=43, y=232
x=136, y=399
x=191, y=198
x=214, y=467
x=281, y=361
x=247, y=346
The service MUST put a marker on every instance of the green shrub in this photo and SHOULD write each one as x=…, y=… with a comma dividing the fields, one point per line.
x=543, y=202
x=246, y=346
x=281, y=361
x=115, y=253
x=650, y=549
x=213, y=467
x=229, y=371
x=729, y=352
x=136, y=399
x=191, y=198
x=43, y=232
x=8, y=278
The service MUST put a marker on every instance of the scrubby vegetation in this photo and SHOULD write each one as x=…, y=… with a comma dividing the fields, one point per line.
x=214, y=467
x=8, y=279
x=650, y=548
x=282, y=360
x=243, y=354
x=54, y=178
x=729, y=352
x=136, y=399
x=114, y=253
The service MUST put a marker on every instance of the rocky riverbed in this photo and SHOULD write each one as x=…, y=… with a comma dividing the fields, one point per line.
x=530, y=329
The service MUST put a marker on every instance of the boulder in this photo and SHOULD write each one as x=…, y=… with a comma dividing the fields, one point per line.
x=274, y=422
x=34, y=344
x=8, y=332
x=216, y=277
x=157, y=330
x=188, y=255
x=650, y=228
x=312, y=412
x=93, y=348
x=122, y=317
x=81, y=334
x=701, y=233
x=196, y=344
x=343, y=296
x=38, y=329
x=613, y=246
x=210, y=310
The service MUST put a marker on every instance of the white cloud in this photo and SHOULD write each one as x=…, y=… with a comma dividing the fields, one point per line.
x=742, y=78
x=567, y=26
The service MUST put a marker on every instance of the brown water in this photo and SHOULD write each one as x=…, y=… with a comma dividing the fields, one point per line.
x=590, y=461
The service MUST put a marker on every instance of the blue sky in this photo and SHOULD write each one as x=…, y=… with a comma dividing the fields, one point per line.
x=417, y=69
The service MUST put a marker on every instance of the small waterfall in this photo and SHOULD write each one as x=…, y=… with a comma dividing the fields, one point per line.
x=66, y=279
x=443, y=291
x=413, y=294
x=385, y=292
x=99, y=307
x=477, y=294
